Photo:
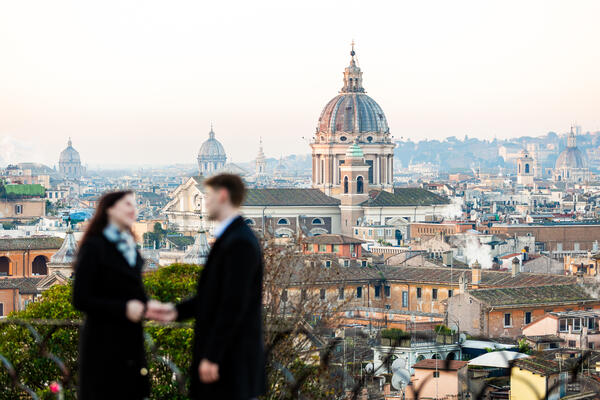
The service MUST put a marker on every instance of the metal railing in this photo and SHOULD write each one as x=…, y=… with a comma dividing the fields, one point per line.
x=356, y=387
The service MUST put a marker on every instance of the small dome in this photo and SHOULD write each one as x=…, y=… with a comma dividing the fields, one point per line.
x=570, y=157
x=198, y=253
x=66, y=253
x=354, y=151
x=212, y=148
x=69, y=154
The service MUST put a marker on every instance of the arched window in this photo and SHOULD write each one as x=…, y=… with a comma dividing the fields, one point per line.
x=526, y=168
x=283, y=221
x=345, y=184
x=39, y=267
x=317, y=221
x=4, y=266
x=359, y=185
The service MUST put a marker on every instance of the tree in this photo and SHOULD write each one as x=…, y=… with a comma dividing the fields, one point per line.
x=17, y=344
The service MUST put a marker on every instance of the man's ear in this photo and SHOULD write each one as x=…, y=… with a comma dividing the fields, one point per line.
x=223, y=196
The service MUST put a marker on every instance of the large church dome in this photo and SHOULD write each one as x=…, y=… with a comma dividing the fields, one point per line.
x=352, y=110
x=69, y=154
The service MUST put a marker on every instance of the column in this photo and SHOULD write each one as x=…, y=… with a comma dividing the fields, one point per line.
x=377, y=177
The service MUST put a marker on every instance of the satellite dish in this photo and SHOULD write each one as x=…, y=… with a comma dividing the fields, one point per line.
x=462, y=338
x=400, y=379
x=398, y=364
x=369, y=368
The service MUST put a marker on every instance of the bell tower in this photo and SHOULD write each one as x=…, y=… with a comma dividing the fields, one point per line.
x=525, y=171
x=355, y=187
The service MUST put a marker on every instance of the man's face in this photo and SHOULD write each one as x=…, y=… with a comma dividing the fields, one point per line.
x=214, y=200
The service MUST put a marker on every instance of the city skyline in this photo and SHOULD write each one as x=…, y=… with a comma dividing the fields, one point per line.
x=141, y=84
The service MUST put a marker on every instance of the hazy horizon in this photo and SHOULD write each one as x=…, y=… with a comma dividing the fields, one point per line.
x=139, y=83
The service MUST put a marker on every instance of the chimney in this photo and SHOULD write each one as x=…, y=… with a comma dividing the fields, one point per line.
x=475, y=274
x=516, y=267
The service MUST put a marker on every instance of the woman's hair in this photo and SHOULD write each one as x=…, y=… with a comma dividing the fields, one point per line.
x=100, y=218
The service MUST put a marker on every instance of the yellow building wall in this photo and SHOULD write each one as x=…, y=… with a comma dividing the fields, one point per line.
x=525, y=385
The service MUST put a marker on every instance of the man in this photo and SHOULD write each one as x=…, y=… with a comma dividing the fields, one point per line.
x=228, y=359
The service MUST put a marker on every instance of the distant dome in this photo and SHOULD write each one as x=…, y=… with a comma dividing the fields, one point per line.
x=570, y=157
x=211, y=156
x=211, y=148
x=69, y=155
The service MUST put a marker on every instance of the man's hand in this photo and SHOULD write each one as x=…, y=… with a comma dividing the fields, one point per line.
x=163, y=312
x=208, y=371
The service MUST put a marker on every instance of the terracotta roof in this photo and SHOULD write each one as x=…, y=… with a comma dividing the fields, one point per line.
x=332, y=239
x=24, y=285
x=31, y=243
x=532, y=295
x=488, y=278
x=444, y=365
x=288, y=197
x=537, y=365
x=403, y=197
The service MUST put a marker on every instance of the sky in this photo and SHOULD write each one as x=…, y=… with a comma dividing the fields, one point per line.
x=140, y=82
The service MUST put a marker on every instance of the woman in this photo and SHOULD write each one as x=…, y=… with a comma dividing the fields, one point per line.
x=108, y=289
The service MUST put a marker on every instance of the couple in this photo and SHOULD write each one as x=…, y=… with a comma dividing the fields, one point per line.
x=228, y=355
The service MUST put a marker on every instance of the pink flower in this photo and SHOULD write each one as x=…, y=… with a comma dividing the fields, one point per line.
x=55, y=387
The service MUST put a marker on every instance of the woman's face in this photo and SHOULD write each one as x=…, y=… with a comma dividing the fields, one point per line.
x=123, y=213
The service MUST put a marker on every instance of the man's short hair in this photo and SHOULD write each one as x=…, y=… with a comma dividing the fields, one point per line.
x=230, y=182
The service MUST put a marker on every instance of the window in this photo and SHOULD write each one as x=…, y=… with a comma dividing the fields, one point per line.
x=527, y=317
x=283, y=221
x=507, y=320
x=322, y=294
x=1, y=309
x=450, y=292
x=18, y=209
x=341, y=293
x=576, y=324
x=359, y=185
x=404, y=298
x=377, y=291
x=284, y=295
x=359, y=292
x=336, y=248
x=388, y=291
x=345, y=184
x=317, y=221
x=436, y=374
x=346, y=263
x=327, y=264
x=591, y=345
x=591, y=323
x=562, y=325
x=434, y=294
x=322, y=248
x=419, y=293
x=571, y=344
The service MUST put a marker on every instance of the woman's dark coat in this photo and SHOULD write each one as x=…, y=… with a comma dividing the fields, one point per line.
x=112, y=362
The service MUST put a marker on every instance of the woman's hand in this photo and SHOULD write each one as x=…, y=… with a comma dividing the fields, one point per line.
x=134, y=310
